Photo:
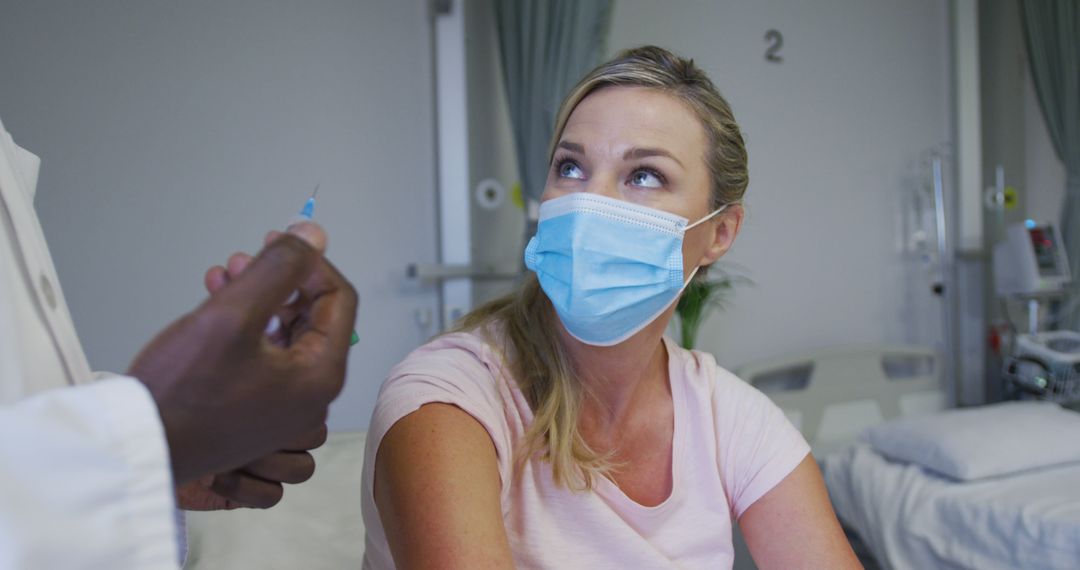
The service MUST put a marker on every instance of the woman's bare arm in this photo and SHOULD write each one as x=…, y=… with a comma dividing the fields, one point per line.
x=794, y=526
x=437, y=489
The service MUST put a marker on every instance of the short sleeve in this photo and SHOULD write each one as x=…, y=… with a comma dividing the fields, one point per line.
x=458, y=369
x=455, y=369
x=757, y=445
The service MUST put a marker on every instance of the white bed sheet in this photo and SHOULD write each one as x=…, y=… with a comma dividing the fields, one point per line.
x=911, y=518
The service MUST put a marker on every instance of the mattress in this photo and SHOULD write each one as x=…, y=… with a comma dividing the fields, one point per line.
x=911, y=518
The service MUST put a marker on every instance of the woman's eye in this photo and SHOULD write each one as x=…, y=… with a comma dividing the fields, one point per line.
x=570, y=169
x=646, y=179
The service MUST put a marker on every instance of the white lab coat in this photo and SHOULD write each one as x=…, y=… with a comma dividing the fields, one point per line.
x=85, y=480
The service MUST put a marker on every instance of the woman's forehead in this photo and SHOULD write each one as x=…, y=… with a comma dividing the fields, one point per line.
x=636, y=116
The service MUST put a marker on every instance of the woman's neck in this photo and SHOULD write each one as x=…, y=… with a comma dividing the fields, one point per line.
x=619, y=379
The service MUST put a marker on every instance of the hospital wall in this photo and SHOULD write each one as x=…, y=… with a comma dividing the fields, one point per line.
x=837, y=133
x=175, y=133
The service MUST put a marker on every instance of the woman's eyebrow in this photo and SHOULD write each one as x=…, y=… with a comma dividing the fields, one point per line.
x=636, y=152
x=646, y=152
x=572, y=147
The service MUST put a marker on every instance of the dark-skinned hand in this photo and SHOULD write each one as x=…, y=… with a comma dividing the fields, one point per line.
x=258, y=484
x=228, y=396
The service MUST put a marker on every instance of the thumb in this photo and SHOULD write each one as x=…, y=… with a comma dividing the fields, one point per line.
x=270, y=278
x=309, y=232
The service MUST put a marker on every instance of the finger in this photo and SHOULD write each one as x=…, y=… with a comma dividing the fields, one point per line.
x=293, y=308
x=273, y=328
x=247, y=489
x=332, y=313
x=237, y=263
x=283, y=467
x=268, y=280
x=215, y=278
x=311, y=233
x=279, y=331
x=311, y=440
x=286, y=320
x=197, y=496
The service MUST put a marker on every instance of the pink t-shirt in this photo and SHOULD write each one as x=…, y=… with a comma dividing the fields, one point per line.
x=731, y=445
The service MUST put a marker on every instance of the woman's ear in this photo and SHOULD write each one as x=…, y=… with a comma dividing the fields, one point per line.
x=725, y=227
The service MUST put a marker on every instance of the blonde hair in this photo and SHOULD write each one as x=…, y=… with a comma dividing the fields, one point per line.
x=525, y=319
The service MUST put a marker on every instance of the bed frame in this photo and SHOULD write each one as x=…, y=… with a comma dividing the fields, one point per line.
x=832, y=395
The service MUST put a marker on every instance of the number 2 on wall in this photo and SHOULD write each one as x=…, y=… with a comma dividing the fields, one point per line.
x=776, y=41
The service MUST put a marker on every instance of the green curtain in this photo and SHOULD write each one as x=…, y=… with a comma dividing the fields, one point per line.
x=546, y=46
x=1052, y=33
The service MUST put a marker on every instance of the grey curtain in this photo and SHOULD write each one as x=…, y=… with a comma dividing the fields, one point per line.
x=1052, y=33
x=546, y=46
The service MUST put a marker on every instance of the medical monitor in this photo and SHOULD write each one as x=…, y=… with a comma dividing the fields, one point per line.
x=1031, y=260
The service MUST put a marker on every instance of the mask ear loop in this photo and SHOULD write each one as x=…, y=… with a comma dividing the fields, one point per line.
x=687, y=228
x=709, y=216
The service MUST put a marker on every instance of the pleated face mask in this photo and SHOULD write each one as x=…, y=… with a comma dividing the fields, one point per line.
x=609, y=267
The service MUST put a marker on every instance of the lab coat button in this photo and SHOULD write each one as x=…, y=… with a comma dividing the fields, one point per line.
x=47, y=290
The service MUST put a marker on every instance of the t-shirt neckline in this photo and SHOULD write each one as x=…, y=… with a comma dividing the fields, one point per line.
x=612, y=492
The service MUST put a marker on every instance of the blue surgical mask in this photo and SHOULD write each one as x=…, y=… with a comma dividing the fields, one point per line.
x=610, y=267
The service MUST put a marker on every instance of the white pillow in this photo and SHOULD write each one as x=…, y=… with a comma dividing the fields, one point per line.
x=987, y=441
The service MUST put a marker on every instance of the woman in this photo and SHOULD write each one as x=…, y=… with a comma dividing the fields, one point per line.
x=557, y=428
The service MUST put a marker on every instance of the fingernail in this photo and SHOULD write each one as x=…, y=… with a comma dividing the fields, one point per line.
x=273, y=326
x=309, y=232
x=292, y=298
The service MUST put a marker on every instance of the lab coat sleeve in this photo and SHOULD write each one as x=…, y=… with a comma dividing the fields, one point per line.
x=85, y=480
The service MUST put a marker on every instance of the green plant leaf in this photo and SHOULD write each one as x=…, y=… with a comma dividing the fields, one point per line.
x=700, y=297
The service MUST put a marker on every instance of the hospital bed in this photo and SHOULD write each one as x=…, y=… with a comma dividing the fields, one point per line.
x=988, y=487
x=316, y=526
x=905, y=515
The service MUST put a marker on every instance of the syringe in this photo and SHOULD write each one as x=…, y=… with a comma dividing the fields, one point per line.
x=309, y=208
x=305, y=215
